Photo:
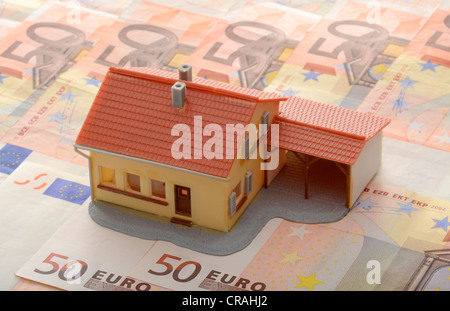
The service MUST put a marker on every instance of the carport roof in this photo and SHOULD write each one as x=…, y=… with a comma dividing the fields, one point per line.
x=326, y=131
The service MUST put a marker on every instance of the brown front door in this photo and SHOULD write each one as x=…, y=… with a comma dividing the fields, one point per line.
x=183, y=201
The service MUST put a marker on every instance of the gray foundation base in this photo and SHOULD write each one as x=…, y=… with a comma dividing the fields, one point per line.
x=283, y=199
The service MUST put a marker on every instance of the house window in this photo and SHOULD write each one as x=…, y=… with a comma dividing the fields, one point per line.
x=158, y=188
x=133, y=182
x=107, y=176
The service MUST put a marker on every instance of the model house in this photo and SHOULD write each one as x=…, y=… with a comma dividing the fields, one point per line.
x=137, y=120
x=178, y=146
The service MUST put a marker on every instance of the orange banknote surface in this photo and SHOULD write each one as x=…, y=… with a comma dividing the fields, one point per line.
x=48, y=42
x=44, y=45
x=151, y=35
x=51, y=124
x=6, y=26
x=415, y=91
x=347, y=53
x=387, y=227
x=250, y=49
x=35, y=56
x=49, y=117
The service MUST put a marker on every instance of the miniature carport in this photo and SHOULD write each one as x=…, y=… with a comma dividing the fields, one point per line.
x=350, y=139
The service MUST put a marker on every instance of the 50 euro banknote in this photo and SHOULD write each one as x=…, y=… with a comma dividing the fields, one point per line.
x=389, y=225
x=52, y=121
x=344, y=56
x=38, y=194
x=49, y=119
x=415, y=91
x=49, y=41
x=43, y=46
x=249, y=49
x=149, y=35
x=96, y=265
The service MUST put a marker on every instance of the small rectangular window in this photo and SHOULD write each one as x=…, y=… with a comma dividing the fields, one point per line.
x=158, y=188
x=107, y=176
x=133, y=182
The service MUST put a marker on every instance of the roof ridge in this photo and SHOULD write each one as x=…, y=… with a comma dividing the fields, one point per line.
x=168, y=77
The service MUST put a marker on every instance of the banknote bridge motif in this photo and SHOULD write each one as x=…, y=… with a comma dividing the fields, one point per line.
x=433, y=273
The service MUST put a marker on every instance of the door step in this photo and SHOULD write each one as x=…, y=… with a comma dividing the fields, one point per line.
x=180, y=221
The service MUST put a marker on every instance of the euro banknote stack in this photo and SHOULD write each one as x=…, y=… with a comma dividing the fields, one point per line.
x=388, y=57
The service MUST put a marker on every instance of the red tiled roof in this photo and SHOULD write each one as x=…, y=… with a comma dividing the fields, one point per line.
x=326, y=131
x=200, y=84
x=132, y=115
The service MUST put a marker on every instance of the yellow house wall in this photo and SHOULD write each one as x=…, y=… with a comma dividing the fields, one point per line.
x=241, y=167
x=209, y=200
x=209, y=196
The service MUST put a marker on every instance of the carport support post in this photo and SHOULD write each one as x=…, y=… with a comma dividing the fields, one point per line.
x=347, y=171
x=349, y=176
x=307, y=161
x=306, y=175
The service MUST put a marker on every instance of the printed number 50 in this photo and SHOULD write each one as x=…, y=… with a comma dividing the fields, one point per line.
x=176, y=272
x=71, y=266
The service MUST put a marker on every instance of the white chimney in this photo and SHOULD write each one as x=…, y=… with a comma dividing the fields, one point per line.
x=185, y=72
x=178, y=94
x=179, y=88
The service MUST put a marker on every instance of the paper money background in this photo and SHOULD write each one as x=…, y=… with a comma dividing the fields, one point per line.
x=387, y=57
